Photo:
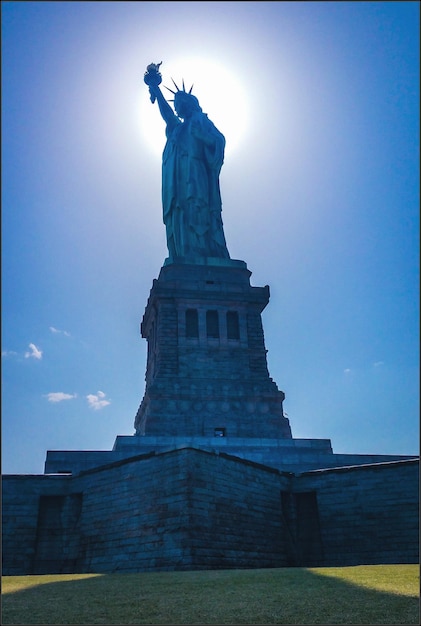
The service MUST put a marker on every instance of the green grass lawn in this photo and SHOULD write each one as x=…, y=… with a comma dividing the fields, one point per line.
x=369, y=594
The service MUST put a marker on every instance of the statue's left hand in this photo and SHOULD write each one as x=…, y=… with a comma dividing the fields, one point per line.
x=199, y=132
x=196, y=130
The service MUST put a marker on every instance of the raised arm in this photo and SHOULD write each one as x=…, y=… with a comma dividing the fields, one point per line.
x=166, y=111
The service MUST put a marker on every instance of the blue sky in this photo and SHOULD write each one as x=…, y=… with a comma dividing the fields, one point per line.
x=319, y=104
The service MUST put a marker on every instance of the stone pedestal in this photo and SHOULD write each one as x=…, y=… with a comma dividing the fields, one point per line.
x=206, y=369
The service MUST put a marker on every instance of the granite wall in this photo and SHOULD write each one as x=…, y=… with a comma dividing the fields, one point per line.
x=191, y=509
x=368, y=514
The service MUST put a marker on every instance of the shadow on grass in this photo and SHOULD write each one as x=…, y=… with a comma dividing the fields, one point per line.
x=265, y=596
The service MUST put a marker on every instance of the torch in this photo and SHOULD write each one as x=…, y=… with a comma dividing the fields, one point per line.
x=152, y=76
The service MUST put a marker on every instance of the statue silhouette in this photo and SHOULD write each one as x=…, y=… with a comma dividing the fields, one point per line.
x=191, y=164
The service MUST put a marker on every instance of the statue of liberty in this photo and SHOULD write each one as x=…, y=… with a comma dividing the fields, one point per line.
x=191, y=164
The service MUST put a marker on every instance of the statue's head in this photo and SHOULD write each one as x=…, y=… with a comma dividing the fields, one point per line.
x=185, y=104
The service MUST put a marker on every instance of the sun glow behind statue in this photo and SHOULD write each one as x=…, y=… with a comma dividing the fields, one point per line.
x=220, y=94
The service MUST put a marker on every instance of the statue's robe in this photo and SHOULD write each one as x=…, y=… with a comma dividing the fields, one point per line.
x=191, y=197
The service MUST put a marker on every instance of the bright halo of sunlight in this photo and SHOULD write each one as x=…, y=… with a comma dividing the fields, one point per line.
x=220, y=94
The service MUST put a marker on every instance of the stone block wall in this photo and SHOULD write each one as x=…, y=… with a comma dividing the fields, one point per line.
x=182, y=510
x=135, y=515
x=368, y=514
x=235, y=516
x=190, y=509
x=21, y=496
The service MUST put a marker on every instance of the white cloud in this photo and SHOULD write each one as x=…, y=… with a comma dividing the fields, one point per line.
x=347, y=371
x=97, y=401
x=6, y=353
x=61, y=332
x=58, y=396
x=378, y=363
x=35, y=352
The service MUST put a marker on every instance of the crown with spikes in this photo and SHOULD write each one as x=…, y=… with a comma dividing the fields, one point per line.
x=178, y=89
